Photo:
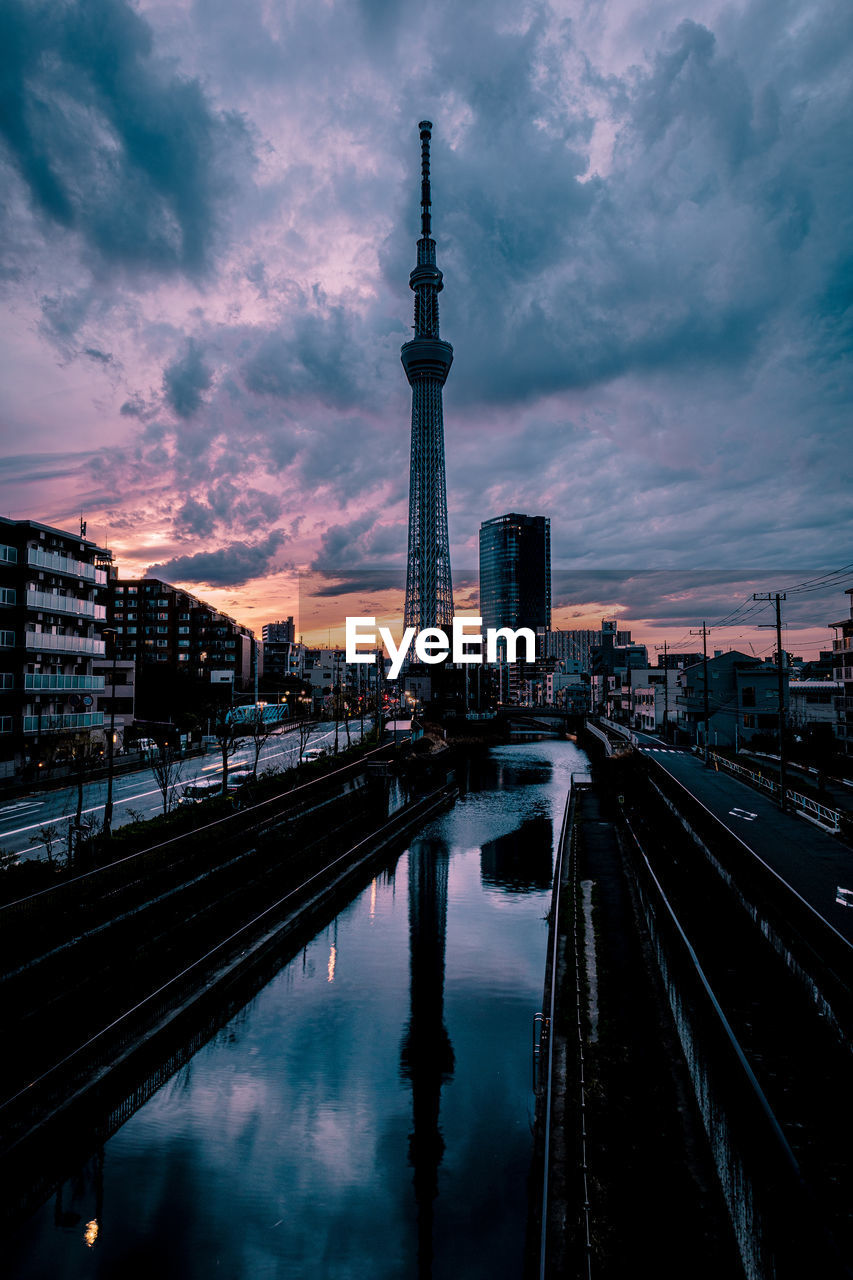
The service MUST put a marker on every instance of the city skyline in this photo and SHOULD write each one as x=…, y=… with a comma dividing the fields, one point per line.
x=208, y=239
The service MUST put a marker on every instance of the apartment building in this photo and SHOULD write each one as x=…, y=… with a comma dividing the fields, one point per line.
x=53, y=587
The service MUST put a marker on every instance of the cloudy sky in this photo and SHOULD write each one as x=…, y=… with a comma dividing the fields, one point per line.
x=643, y=217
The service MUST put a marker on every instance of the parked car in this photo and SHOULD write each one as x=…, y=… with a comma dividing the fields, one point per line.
x=240, y=778
x=201, y=789
x=312, y=753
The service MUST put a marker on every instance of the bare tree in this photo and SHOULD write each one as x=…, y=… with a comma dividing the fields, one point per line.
x=229, y=735
x=260, y=731
x=167, y=768
x=48, y=835
x=306, y=728
x=345, y=708
x=84, y=753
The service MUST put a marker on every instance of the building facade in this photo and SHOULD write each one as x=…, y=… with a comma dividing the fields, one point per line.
x=52, y=601
x=743, y=700
x=515, y=572
x=158, y=624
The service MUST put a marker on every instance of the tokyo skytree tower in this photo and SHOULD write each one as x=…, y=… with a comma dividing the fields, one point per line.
x=427, y=361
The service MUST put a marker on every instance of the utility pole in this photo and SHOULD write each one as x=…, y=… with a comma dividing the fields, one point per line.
x=777, y=598
x=665, y=694
x=704, y=634
x=108, y=807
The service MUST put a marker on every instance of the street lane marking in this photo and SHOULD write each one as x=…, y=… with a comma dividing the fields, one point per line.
x=19, y=813
x=22, y=804
x=844, y=897
x=142, y=795
x=743, y=813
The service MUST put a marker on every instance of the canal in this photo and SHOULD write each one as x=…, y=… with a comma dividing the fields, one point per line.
x=369, y=1112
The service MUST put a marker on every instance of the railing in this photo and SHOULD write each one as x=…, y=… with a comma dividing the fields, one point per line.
x=827, y=817
x=623, y=730
x=597, y=733
x=65, y=644
x=64, y=720
x=55, y=603
x=54, y=682
x=57, y=563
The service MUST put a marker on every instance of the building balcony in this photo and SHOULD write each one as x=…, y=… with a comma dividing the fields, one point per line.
x=50, y=683
x=67, y=720
x=52, y=602
x=843, y=644
x=56, y=563
x=45, y=642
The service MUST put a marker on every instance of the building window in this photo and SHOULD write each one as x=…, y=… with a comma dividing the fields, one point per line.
x=7, y=639
x=164, y=617
x=7, y=595
x=162, y=644
x=748, y=696
x=9, y=554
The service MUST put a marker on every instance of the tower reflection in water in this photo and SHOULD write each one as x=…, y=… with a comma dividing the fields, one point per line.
x=426, y=1057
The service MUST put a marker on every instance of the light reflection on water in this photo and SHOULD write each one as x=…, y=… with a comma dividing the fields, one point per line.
x=368, y=1113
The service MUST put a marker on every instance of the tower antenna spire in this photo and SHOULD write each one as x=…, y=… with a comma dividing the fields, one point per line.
x=425, y=128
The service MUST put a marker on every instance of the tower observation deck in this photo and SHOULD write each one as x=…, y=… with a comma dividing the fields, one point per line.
x=427, y=360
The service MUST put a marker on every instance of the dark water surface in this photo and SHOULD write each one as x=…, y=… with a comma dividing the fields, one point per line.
x=368, y=1114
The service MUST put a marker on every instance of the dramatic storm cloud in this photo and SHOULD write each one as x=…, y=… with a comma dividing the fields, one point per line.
x=643, y=219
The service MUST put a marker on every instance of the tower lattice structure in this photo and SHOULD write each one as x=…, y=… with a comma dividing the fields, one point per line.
x=427, y=360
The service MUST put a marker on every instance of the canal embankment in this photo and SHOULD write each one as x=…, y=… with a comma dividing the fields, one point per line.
x=93, y=966
x=705, y=1084
x=630, y=1184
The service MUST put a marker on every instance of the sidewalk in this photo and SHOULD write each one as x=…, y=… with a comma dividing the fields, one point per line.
x=656, y=1206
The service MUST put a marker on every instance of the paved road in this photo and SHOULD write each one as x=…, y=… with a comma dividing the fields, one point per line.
x=814, y=863
x=21, y=819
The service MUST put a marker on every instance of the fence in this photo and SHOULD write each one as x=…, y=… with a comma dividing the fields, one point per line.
x=830, y=818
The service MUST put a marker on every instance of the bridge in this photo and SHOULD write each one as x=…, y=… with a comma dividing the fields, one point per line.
x=259, y=713
x=547, y=718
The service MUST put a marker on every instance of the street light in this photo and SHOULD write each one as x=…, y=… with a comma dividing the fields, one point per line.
x=108, y=807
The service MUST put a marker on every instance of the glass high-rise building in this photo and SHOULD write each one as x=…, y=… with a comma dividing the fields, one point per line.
x=515, y=572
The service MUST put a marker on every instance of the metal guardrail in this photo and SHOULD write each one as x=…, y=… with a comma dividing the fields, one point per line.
x=830, y=818
x=597, y=733
x=547, y=1026
x=218, y=829
x=622, y=730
